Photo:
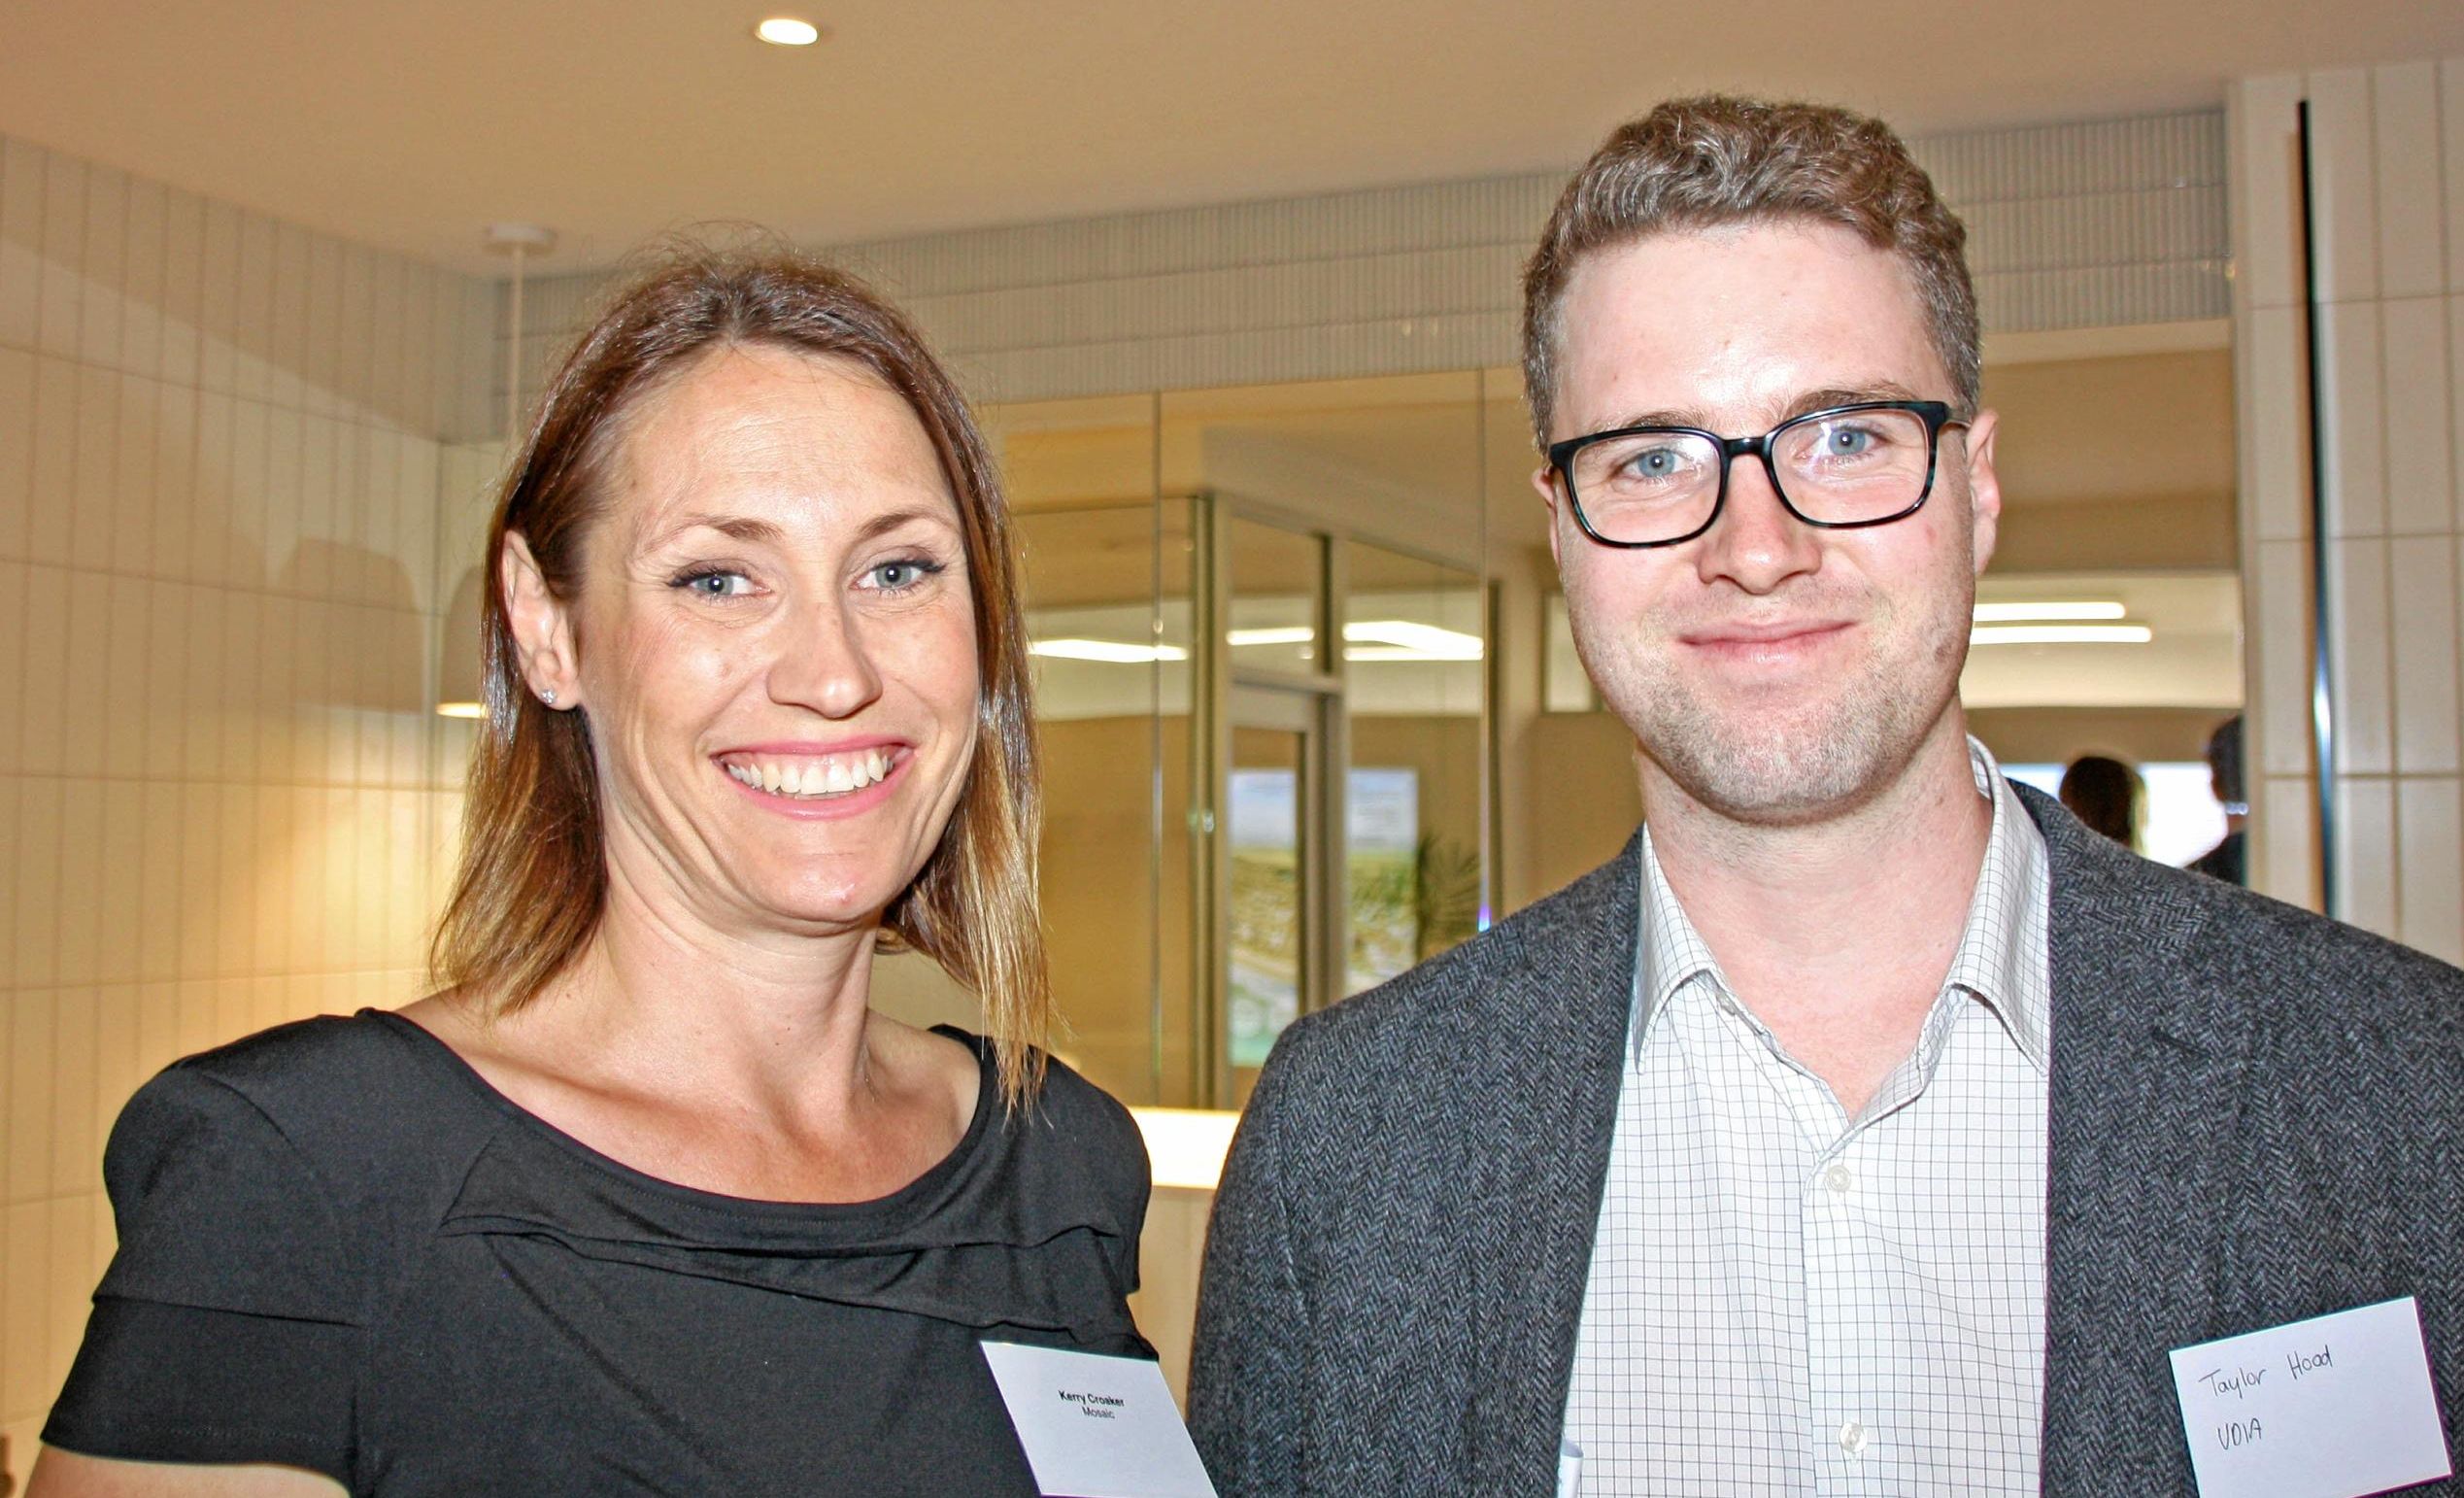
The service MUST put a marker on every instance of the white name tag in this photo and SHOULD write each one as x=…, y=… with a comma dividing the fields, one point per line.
x=1096, y=1426
x=2334, y=1407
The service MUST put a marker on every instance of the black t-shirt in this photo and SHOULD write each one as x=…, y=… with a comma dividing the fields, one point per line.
x=340, y=1250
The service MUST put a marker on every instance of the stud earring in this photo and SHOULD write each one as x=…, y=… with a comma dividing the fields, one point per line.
x=548, y=696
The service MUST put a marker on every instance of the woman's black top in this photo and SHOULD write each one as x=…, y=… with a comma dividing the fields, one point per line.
x=340, y=1250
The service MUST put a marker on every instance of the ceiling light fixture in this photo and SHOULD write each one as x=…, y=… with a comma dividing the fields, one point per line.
x=2048, y=613
x=787, y=31
x=1419, y=642
x=2061, y=634
x=1277, y=634
x=1110, y=652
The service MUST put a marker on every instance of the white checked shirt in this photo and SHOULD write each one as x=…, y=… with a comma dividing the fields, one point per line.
x=1786, y=1300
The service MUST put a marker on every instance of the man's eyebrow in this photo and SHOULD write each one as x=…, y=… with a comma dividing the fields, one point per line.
x=1798, y=405
x=1849, y=395
x=1675, y=416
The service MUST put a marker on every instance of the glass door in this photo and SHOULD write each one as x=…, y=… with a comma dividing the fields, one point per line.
x=1275, y=936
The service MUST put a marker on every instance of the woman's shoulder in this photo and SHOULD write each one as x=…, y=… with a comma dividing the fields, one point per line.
x=370, y=1073
x=1068, y=1125
x=353, y=1105
x=280, y=1174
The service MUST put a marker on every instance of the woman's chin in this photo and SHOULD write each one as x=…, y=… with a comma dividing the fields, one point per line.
x=827, y=912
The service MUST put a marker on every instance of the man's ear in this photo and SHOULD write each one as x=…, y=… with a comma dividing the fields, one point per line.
x=542, y=626
x=1545, y=479
x=1984, y=488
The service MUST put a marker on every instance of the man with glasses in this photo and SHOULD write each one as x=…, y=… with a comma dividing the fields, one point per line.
x=1867, y=1126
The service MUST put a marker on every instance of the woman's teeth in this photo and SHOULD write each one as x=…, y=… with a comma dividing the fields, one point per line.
x=810, y=777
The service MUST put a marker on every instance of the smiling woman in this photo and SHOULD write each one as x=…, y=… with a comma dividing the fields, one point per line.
x=646, y=1195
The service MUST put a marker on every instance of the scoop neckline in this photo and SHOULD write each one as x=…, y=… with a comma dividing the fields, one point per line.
x=934, y=1177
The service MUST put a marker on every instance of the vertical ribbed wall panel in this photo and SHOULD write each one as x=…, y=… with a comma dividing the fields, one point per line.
x=2389, y=321
x=2093, y=224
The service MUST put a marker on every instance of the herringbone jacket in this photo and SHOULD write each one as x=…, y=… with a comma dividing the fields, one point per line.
x=2257, y=1116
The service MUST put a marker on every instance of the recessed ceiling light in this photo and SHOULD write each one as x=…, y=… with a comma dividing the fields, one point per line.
x=787, y=31
x=2050, y=613
x=2061, y=634
x=1110, y=652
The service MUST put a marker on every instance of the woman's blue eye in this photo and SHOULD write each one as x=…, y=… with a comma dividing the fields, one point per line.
x=899, y=577
x=715, y=584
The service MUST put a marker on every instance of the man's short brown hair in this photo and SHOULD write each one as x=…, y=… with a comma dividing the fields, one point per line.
x=1705, y=163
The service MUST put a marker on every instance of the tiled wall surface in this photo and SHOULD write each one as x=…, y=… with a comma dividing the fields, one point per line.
x=2094, y=224
x=221, y=798
x=2387, y=198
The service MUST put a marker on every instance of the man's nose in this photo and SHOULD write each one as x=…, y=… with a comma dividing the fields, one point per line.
x=1756, y=544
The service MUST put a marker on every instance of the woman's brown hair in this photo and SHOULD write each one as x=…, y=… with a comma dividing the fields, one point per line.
x=534, y=878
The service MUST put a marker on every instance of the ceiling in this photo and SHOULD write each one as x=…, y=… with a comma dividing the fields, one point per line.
x=411, y=124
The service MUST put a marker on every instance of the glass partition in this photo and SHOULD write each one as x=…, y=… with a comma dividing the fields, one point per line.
x=1415, y=673
x=1261, y=644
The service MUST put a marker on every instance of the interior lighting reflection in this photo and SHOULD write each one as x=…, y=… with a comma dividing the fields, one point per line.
x=1417, y=642
x=2048, y=613
x=2061, y=634
x=1111, y=652
x=787, y=31
x=1283, y=634
x=1185, y=1145
x=460, y=710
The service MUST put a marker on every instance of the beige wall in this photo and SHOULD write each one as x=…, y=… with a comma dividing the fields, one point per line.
x=2056, y=736
x=2389, y=199
x=224, y=800
x=1593, y=801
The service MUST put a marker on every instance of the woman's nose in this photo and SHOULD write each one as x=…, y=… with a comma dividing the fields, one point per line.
x=823, y=662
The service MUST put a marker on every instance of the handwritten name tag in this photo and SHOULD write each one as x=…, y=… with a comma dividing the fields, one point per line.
x=1096, y=1426
x=2334, y=1407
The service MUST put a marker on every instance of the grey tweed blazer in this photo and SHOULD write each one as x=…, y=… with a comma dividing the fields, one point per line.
x=2258, y=1116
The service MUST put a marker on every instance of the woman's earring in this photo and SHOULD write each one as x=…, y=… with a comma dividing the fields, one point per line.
x=548, y=696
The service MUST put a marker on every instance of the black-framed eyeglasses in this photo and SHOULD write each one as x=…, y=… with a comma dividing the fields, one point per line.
x=1864, y=465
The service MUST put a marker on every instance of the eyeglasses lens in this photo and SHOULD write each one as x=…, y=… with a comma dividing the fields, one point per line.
x=1847, y=467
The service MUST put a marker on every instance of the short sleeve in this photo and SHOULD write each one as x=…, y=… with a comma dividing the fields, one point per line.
x=226, y=1328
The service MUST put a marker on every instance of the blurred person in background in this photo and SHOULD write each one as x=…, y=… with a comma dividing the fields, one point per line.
x=2229, y=859
x=2108, y=795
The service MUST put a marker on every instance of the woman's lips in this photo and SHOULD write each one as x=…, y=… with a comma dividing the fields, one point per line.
x=815, y=780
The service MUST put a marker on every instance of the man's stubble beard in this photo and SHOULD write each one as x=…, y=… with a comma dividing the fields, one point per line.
x=1802, y=758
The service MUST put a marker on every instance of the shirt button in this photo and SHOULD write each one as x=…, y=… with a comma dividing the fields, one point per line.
x=1854, y=1437
x=1838, y=1179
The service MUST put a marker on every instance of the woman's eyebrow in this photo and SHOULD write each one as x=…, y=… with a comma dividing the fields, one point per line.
x=747, y=529
x=753, y=531
x=890, y=520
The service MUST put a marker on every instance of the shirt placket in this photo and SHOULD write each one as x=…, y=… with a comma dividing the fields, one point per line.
x=1847, y=1321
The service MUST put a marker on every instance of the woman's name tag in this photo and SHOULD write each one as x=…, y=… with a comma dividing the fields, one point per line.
x=1096, y=1426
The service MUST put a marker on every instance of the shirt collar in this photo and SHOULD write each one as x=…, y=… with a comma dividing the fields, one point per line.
x=2003, y=949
